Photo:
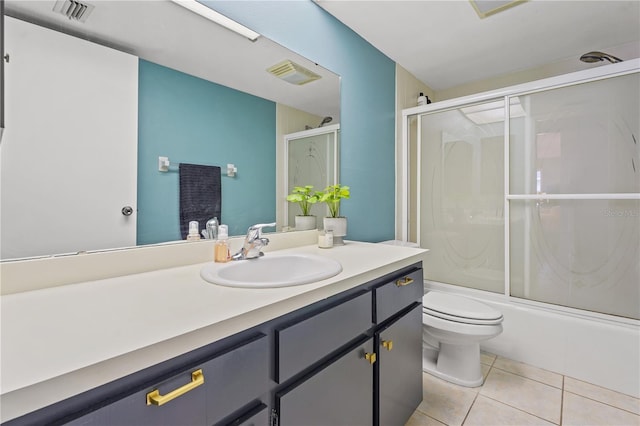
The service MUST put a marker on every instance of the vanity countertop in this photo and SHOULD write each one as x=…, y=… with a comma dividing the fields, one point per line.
x=57, y=342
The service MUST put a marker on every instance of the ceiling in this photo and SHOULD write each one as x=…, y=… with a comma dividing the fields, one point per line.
x=446, y=44
x=167, y=34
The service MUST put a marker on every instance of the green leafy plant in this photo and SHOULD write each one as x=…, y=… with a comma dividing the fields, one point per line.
x=305, y=196
x=332, y=195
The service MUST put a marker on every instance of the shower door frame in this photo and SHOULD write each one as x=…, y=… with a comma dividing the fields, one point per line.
x=505, y=94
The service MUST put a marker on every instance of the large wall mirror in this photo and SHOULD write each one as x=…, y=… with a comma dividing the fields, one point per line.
x=200, y=94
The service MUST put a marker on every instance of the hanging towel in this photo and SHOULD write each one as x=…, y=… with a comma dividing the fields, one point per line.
x=200, y=195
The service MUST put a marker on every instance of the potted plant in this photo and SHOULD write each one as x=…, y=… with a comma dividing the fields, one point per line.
x=331, y=196
x=305, y=197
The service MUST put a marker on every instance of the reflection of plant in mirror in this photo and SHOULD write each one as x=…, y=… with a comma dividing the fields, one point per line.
x=305, y=197
x=332, y=196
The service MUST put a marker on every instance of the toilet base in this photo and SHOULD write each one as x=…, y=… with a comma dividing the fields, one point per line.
x=459, y=364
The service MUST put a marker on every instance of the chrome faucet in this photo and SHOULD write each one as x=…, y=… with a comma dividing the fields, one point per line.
x=253, y=243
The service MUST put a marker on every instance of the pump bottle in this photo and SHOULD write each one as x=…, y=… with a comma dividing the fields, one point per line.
x=221, y=248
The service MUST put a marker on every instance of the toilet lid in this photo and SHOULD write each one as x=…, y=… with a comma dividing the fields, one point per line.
x=457, y=308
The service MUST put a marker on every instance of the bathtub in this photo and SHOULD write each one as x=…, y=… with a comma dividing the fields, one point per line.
x=597, y=349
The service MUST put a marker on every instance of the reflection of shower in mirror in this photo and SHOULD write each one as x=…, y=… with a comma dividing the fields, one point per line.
x=310, y=167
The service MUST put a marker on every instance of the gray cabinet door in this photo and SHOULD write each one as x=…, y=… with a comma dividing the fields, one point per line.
x=400, y=367
x=300, y=344
x=341, y=394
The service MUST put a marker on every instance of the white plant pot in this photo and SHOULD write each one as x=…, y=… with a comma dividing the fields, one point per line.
x=305, y=223
x=339, y=227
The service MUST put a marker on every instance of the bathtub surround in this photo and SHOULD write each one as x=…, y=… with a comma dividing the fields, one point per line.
x=522, y=208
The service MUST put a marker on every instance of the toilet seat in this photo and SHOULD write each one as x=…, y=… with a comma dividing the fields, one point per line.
x=459, y=309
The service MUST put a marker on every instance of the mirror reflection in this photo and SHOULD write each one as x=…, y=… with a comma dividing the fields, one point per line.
x=170, y=84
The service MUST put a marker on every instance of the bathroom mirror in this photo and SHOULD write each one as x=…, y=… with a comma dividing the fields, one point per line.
x=186, y=46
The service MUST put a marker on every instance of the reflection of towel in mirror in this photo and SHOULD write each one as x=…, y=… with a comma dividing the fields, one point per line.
x=200, y=195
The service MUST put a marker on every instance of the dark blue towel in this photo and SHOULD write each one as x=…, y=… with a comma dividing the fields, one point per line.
x=200, y=195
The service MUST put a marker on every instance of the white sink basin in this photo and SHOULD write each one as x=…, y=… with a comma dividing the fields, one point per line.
x=272, y=270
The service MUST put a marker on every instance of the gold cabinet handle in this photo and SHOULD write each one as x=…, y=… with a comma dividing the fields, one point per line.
x=404, y=281
x=387, y=344
x=370, y=357
x=154, y=397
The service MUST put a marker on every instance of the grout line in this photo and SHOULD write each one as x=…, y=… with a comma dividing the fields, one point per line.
x=469, y=410
x=562, y=401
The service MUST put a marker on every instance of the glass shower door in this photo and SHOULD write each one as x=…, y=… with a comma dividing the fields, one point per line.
x=574, y=197
x=461, y=195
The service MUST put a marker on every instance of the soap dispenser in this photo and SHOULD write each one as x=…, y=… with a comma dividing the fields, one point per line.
x=194, y=234
x=221, y=248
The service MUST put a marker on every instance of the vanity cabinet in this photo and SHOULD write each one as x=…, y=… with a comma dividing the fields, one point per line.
x=328, y=363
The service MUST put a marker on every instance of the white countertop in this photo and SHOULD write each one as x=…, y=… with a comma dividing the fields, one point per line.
x=60, y=341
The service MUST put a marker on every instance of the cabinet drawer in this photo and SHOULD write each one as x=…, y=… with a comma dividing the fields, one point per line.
x=301, y=344
x=230, y=380
x=397, y=294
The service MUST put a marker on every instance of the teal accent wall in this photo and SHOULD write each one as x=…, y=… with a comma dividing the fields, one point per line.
x=192, y=120
x=367, y=119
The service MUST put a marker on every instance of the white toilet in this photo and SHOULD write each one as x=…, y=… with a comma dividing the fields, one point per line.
x=452, y=329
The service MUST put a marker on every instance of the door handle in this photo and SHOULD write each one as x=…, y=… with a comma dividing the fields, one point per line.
x=127, y=210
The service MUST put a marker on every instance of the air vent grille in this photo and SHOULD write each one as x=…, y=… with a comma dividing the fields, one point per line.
x=73, y=9
x=293, y=73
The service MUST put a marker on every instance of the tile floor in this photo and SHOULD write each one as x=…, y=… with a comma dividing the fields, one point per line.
x=516, y=394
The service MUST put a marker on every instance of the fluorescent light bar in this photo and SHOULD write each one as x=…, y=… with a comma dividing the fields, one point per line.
x=218, y=18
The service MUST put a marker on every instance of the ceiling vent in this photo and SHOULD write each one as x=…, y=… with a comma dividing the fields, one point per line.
x=293, y=73
x=73, y=9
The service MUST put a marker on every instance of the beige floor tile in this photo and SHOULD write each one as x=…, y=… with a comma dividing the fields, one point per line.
x=487, y=412
x=419, y=419
x=530, y=372
x=528, y=395
x=607, y=396
x=487, y=358
x=444, y=401
x=581, y=411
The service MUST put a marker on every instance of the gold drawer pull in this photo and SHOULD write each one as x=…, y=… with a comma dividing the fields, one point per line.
x=404, y=281
x=154, y=397
x=370, y=357
x=387, y=344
